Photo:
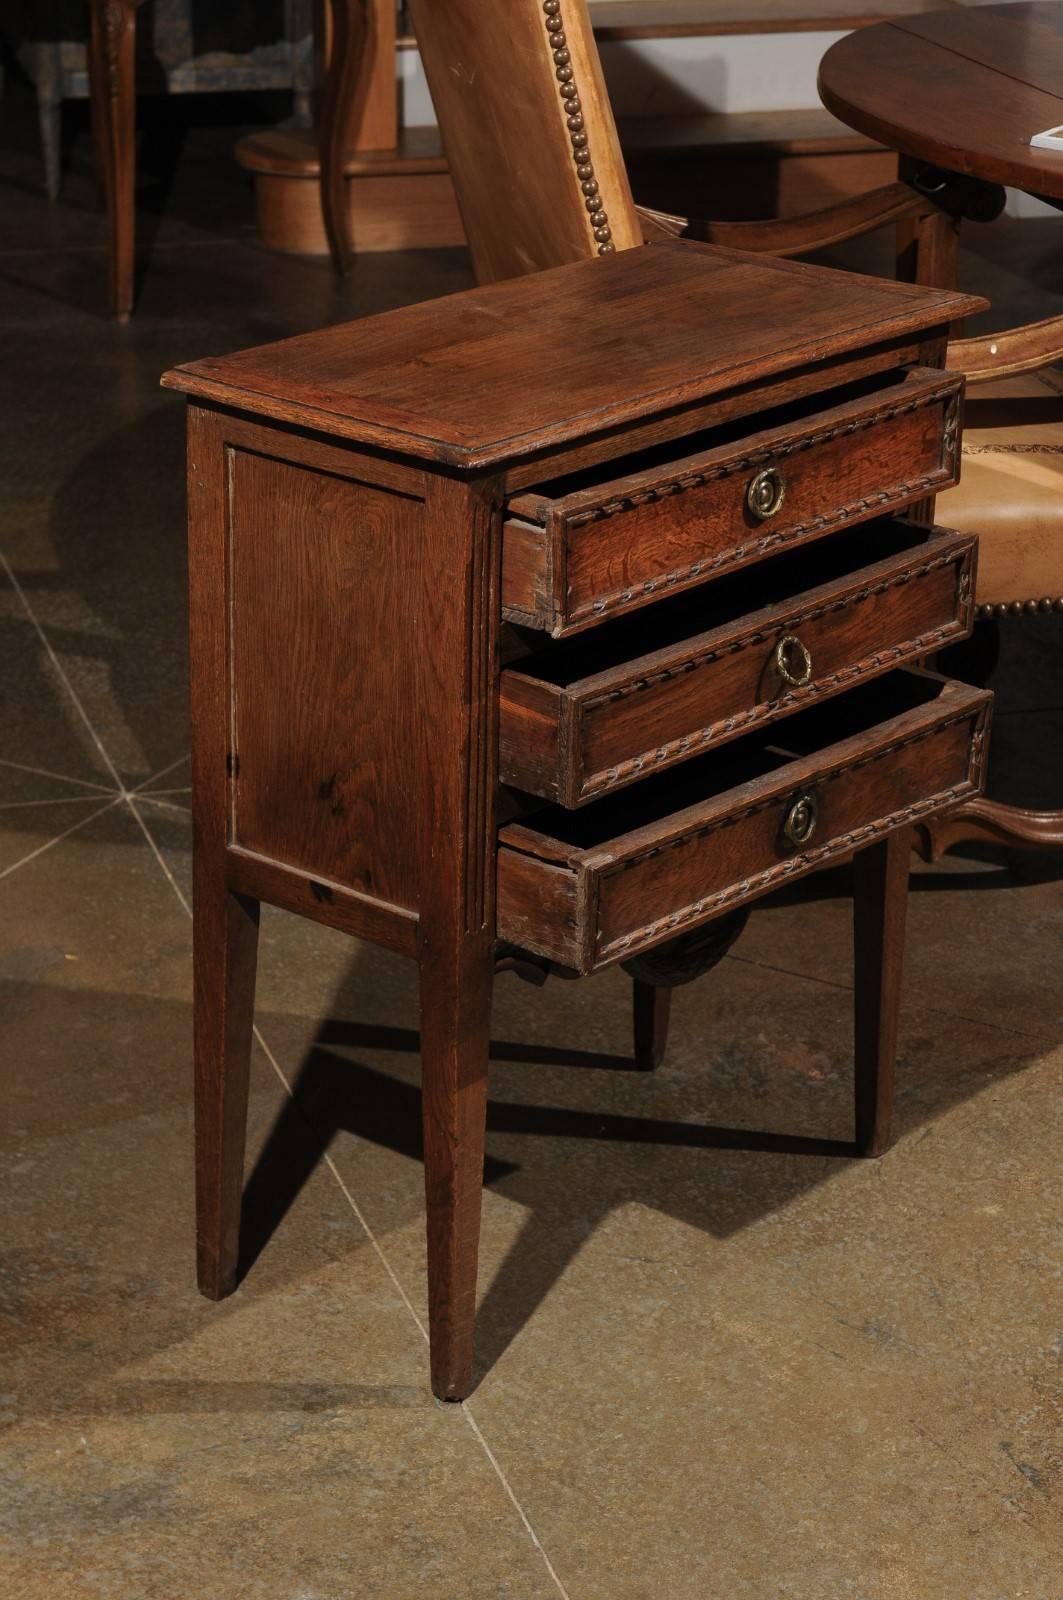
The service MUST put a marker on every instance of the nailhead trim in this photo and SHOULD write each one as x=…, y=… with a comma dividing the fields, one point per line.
x=1016, y=608
x=581, y=156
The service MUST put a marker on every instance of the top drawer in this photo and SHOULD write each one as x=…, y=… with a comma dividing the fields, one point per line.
x=591, y=546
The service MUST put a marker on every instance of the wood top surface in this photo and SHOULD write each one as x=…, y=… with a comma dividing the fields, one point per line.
x=964, y=88
x=486, y=377
x=690, y=19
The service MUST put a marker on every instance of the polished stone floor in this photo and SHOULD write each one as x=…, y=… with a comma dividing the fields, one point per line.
x=705, y=1370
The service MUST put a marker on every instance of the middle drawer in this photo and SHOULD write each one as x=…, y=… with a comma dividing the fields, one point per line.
x=605, y=708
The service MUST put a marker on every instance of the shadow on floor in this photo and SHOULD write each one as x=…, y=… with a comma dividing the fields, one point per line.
x=565, y=1196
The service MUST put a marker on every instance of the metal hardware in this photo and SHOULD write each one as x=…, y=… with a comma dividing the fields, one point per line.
x=801, y=819
x=766, y=493
x=789, y=647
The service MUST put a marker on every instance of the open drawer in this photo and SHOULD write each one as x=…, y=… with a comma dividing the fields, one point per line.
x=592, y=545
x=589, y=714
x=585, y=888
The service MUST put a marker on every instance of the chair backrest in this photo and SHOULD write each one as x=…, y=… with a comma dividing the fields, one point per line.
x=528, y=131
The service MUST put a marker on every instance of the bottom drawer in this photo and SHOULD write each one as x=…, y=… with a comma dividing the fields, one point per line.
x=588, y=887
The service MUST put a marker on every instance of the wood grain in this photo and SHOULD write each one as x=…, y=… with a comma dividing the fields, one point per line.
x=575, y=726
x=533, y=213
x=650, y=867
x=617, y=543
x=668, y=327
x=691, y=19
x=321, y=566
x=880, y=906
x=225, y=924
x=964, y=90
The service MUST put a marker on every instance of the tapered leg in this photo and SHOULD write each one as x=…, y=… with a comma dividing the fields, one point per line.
x=652, y=1005
x=880, y=903
x=112, y=55
x=225, y=932
x=455, y=1029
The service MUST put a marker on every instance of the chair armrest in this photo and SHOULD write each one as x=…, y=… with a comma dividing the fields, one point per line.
x=1003, y=355
x=846, y=220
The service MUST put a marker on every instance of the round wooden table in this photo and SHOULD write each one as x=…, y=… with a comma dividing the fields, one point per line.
x=963, y=89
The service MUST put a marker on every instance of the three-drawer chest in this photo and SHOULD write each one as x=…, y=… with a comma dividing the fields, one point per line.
x=551, y=624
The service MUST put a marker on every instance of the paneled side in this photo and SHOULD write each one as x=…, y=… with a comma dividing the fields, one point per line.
x=327, y=646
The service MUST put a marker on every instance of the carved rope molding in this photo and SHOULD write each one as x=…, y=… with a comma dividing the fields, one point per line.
x=859, y=510
x=842, y=844
x=772, y=710
x=695, y=479
x=581, y=155
x=820, y=781
x=794, y=620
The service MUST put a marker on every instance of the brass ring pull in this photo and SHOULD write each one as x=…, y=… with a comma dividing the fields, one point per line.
x=801, y=819
x=766, y=493
x=788, y=652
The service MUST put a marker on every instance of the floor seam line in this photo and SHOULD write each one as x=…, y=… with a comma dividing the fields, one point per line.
x=374, y=1242
x=60, y=777
x=68, y=686
x=139, y=788
x=532, y=1535
x=61, y=800
x=159, y=857
x=24, y=861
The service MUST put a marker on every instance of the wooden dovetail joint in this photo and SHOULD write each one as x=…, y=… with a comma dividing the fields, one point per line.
x=581, y=155
x=1016, y=608
x=760, y=458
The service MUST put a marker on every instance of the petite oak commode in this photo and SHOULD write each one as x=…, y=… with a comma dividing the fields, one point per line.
x=548, y=623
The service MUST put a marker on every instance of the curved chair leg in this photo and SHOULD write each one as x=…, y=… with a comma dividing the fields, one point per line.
x=347, y=78
x=982, y=821
x=112, y=75
x=652, y=1007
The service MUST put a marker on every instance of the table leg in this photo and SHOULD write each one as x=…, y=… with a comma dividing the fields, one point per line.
x=455, y=1028
x=225, y=937
x=652, y=1007
x=880, y=904
x=112, y=78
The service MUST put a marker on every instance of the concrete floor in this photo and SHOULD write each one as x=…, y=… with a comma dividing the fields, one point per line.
x=705, y=1371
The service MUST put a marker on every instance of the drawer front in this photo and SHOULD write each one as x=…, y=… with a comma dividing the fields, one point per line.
x=571, y=561
x=628, y=894
x=608, y=729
